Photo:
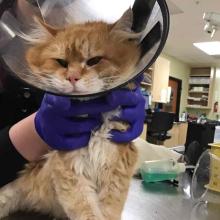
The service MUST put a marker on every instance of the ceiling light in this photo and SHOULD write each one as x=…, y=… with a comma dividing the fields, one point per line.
x=211, y=48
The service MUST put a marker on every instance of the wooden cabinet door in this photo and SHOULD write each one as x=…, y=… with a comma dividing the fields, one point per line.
x=160, y=78
x=178, y=135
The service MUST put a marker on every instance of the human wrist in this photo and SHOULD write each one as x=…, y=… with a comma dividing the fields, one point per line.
x=26, y=140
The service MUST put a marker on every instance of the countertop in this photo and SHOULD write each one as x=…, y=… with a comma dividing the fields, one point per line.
x=158, y=201
x=163, y=201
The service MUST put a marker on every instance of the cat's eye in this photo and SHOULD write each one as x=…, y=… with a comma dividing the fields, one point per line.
x=93, y=61
x=62, y=62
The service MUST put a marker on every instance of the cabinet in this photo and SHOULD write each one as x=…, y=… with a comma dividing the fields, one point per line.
x=148, y=78
x=160, y=80
x=200, y=88
x=156, y=80
x=144, y=132
x=178, y=134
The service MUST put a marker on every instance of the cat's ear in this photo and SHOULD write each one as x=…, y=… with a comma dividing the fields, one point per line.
x=40, y=32
x=46, y=27
x=125, y=22
x=122, y=28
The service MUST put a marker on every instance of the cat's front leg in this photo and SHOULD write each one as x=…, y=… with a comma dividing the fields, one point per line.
x=114, y=191
x=10, y=199
x=113, y=197
x=77, y=196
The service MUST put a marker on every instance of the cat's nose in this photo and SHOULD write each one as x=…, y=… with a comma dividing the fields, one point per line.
x=73, y=77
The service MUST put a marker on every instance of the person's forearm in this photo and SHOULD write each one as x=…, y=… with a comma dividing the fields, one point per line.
x=26, y=140
x=11, y=162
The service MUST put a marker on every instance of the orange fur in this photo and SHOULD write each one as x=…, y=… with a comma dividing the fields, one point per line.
x=86, y=184
x=76, y=44
x=90, y=183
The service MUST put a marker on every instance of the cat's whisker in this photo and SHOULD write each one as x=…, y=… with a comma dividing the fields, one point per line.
x=111, y=80
x=110, y=77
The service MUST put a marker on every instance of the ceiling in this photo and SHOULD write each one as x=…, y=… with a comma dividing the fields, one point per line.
x=186, y=28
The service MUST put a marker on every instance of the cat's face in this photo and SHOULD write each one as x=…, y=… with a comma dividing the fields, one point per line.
x=87, y=57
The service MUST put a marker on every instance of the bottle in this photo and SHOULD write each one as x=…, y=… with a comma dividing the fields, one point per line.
x=183, y=117
x=160, y=170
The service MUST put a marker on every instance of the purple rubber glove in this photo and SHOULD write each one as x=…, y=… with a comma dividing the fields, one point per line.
x=133, y=112
x=59, y=125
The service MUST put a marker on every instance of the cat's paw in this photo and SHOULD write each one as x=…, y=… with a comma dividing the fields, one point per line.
x=4, y=208
x=3, y=201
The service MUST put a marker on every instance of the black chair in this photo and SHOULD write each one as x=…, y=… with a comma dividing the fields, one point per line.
x=158, y=126
x=197, y=140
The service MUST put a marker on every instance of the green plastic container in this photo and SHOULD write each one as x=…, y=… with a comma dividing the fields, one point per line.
x=160, y=170
x=155, y=177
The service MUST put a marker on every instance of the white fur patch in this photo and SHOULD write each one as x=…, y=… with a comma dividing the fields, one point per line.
x=103, y=132
x=90, y=84
x=62, y=85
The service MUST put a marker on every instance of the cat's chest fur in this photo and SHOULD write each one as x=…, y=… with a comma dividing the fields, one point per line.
x=97, y=160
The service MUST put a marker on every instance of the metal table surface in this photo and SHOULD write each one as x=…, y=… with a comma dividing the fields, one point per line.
x=155, y=201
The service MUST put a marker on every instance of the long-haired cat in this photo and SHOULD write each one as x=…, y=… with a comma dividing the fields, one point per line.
x=90, y=183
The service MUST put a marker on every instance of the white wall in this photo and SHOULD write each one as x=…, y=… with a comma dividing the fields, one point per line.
x=181, y=71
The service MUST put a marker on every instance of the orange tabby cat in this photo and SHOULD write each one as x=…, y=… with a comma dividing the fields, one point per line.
x=86, y=57
x=90, y=183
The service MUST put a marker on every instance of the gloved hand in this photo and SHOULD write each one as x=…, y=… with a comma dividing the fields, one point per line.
x=133, y=112
x=58, y=124
x=132, y=104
